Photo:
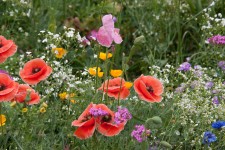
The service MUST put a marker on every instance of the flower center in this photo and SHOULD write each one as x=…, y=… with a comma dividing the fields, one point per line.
x=106, y=118
x=2, y=87
x=35, y=70
x=149, y=89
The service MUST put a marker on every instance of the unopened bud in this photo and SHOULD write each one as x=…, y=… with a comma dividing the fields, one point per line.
x=165, y=144
x=139, y=40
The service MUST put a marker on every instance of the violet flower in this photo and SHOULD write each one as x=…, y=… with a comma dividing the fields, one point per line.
x=186, y=66
x=122, y=115
x=140, y=133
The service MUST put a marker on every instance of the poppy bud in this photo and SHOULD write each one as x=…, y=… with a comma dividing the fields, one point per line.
x=165, y=144
x=139, y=40
x=153, y=122
x=156, y=120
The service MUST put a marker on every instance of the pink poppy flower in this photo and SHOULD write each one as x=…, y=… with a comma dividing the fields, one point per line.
x=7, y=48
x=107, y=33
x=35, y=71
x=148, y=88
x=8, y=88
x=23, y=92
x=97, y=117
x=115, y=88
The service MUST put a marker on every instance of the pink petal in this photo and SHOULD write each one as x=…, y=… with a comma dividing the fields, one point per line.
x=104, y=38
x=108, y=22
x=117, y=38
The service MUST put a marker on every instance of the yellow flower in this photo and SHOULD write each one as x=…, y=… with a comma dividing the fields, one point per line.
x=44, y=105
x=93, y=72
x=128, y=84
x=2, y=120
x=72, y=95
x=103, y=55
x=116, y=73
x=63, y=96
x=73, y=101
x=24, y=110
x=42, y=109
x=13, y=104
x=59, y=52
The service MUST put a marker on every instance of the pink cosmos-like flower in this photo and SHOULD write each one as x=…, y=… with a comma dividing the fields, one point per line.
x=107, y=33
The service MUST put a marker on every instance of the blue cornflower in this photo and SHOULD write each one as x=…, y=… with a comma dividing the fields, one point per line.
x=218, y=124
x=209, y=137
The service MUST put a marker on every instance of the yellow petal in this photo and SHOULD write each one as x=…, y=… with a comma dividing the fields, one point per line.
x=2, y=120
x=116, y=73
x=103, y=55
x=128, y=84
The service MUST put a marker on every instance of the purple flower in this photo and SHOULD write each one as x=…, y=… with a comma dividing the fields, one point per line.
x=96, y=112
x=114, y=19
x=5, y=72
x=198, y=73
x=215, y=91
x=181, y=88
x=209, y=137
x=218, y=124
x=185, y=66
x=140, y=133
x=217, y=40
x=122, y=115
x=221, y=64
x=209, y=85
x=215, y=100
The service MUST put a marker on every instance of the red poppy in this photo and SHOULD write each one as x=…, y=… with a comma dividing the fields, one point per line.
x=7, y=48
x=148, y=88
x=98, y=117
x=85, y=123
x=8, y=88
x=35, y=71
x=116, y=88
x=106, y=124
x=25, y=91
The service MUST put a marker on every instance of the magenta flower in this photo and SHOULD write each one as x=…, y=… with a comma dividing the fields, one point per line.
x=217, y=40
x=107, y=33
x=96, y=112
x=140, y=133
x=122, y=115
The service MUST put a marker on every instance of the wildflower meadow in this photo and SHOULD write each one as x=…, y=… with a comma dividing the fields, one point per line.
x=112, y=74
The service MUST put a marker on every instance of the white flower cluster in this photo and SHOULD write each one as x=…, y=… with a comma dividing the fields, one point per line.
x=197, y=102
x=17, y=8
x=211, y=23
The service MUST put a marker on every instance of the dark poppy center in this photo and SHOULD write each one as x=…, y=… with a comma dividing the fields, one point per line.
x=2, y=87
x=35, y=70
x=149, y=89
x=106, y=118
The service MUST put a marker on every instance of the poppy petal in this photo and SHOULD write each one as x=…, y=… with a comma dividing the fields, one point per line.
x=108, y=129
x=85, y=131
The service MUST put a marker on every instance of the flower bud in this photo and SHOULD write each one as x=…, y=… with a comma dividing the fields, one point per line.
x=156, y=120
x=139, y=40
x=165, y=144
